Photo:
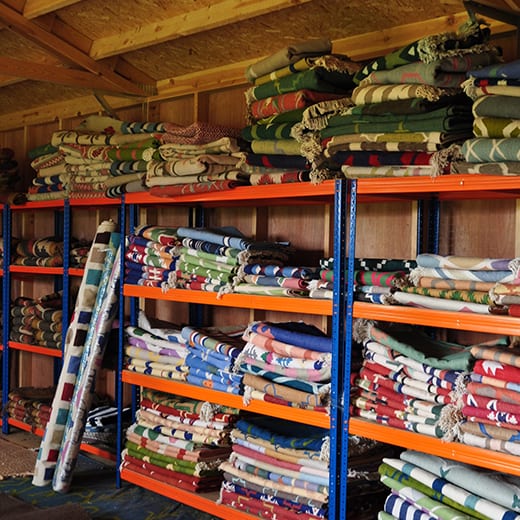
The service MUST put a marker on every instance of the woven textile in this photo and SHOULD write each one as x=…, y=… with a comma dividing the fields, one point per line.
x=104, y=313
x=288, y=55
x=318, y=79
x=444, y=73
x=74, y=346
x=479, y=150
x=468, y=37
x=490, y=485
x=497, y=106
x=394, y=475
x=452, y=491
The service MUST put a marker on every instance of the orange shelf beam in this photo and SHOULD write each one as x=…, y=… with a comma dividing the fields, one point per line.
x=497, y=461
x=35, y=349
x=42, y=204
x=35, y=269
x=76, y=271
x=507, y=325
x=94, y=202
x=244, y=195
x=446, y=186
x=206, y=502
x=269, y=303
x=299, y=415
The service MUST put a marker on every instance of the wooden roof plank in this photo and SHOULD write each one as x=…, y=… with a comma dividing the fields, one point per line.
x=37, y=71
x=34, y=8
x=56, y=46
x=196, y=21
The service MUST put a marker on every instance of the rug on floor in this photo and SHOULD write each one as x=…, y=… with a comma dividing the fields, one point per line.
x=15, y=461
x=98, y=496
x=12, y=508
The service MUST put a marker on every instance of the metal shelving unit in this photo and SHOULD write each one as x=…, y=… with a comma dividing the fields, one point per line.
x=329, y=192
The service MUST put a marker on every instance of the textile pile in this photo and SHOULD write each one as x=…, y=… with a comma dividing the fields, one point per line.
x=101, y=424
x=426, y=486
x=41, y=252
x=366, y=494
x=459, y=283
x=108, y=157
x=219, y=260
x=157, y=350
x=30, y=405
x=9, y=176
x=374, y=278
x=199, y=158
x=212, y=355
x=408, y=379
x=406, y=110
x=277, y=469
x=283, y=86
x=179, y=441
x=151, y=257
x=37, y=321
x=493, y=148
x=215, y=259
x=84, y=164
x=287, y=363
x=490, y=404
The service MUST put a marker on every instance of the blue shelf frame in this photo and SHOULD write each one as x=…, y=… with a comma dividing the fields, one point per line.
x=341, y=333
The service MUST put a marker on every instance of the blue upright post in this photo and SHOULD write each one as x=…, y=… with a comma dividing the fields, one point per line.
x=66, y=229
x=337, y=503
x=120, y=342
x=6, y=305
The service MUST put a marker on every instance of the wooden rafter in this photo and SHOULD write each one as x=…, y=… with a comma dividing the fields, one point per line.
x=67, y=52
x=34, y=8
x=215, y=15
x=37, y=71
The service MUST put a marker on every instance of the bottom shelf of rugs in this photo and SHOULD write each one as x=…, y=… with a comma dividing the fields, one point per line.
x=206, y=502
x=494, y=460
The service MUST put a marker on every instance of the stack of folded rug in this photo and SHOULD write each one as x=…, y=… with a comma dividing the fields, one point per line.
x=31, y=405
x=287, y=363
x=277, y=469
x=490, y=404
x=198, y=158
x=409, y=380
x=284, y=85
x=494, y=147
x=374, y=278
x=179, y=441
x=211, y=357
x=407, y=108
x=156, y=351
x=426, y=486
x=215, y=259
x=41, y=252
x=37, y=321
x=458, y=283
x=9, y=176
x=150, y=256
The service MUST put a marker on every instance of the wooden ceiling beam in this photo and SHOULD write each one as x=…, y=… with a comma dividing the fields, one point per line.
x=61, y=75
x=64, y=50
x=34, y=8
x=215, y=15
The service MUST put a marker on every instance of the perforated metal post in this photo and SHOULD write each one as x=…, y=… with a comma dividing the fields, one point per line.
x=6, y=305
x=337, y=491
